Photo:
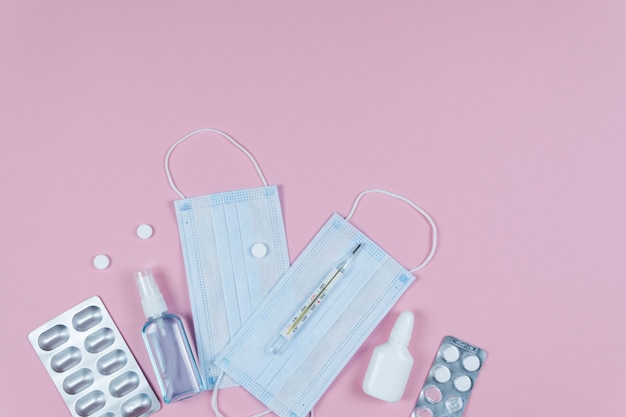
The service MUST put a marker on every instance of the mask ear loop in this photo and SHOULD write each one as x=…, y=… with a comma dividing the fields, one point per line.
x=195, y=132
x=311, y=413
x=216, y=408
x=214, y=396
x=412, y=204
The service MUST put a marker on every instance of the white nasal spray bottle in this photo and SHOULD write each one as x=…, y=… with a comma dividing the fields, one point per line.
x=391, y=363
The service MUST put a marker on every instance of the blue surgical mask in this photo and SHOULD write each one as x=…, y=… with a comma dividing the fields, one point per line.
x=234, y=249
x=316, y=338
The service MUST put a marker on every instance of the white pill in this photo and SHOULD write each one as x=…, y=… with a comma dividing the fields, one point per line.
x=101, y=262
x=144, y=231
x=471, y=363
x=463, y=383
x=442, y=374
x=259, y=250
x=451, y=354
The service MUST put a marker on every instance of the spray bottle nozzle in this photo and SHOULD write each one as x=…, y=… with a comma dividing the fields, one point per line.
x=152, y=300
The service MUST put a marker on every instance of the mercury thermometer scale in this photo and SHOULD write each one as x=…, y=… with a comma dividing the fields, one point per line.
x=311, y=303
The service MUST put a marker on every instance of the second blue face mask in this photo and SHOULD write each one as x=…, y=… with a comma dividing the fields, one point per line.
x=317, y=316
x=234, y=249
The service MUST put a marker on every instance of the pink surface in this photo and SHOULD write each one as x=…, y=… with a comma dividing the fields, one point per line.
x=505, y=120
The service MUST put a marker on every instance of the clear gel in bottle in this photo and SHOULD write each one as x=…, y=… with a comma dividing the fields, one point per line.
x=167, y=344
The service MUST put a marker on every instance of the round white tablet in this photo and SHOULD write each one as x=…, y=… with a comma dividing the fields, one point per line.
x=442, y=374
x=259, y=250
x=471, y=363
x=144, y=231
x=463, y=383
x=450, y=354
x=101, y=262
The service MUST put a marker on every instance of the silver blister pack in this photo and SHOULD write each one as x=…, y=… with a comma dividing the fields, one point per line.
x=450, y=380
x=91, y=365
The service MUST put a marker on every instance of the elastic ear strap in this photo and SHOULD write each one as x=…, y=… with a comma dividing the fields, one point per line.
x=416, y=207
x=214, y=396
x=215, y=407
x=208, y=129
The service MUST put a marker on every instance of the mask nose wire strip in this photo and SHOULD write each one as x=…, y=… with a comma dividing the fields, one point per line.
x=195, y=132
x=416, y=207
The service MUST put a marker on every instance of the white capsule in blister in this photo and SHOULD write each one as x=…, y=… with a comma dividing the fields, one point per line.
x=450, y=354
x=442, y=374
x=471, y=363
x=463, y=383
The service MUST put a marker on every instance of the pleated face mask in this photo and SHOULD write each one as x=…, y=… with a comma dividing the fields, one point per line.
x=234, y=249
x=317, y=316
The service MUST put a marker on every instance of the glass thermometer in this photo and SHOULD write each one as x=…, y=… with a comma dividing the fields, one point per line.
x=312, y=302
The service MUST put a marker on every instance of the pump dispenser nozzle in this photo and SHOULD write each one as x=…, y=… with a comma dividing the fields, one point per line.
x=152, y=300
x=167, y=343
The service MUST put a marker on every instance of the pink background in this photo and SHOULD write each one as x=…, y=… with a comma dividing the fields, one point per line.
x=505, y=120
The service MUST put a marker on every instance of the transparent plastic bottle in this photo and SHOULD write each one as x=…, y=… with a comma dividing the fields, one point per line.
x=167, y=344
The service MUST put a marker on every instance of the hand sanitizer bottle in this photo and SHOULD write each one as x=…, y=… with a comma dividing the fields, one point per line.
x=391, y=363
x=167, y=344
